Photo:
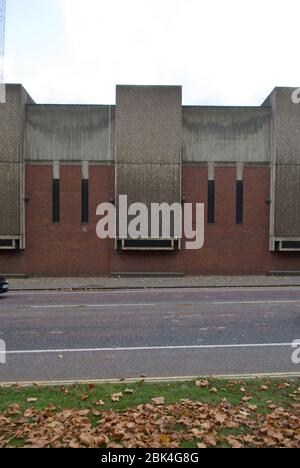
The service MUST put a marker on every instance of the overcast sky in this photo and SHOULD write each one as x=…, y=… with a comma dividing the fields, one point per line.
x=227, y=52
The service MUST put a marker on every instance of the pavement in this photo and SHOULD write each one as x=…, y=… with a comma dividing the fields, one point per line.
x=58, y=336
x=108, y=283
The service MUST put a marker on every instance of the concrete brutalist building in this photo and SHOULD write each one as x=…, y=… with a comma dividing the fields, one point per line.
x=58, y=162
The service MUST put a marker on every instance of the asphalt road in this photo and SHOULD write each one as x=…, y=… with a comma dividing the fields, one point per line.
x=63, y=336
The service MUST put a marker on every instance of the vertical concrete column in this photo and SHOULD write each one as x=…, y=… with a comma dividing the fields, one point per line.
x=85, y=170
x=285, y=168
x=56, y=170
x=240, y=172
x=13, y=99
x=148, y=144
x=211, y=171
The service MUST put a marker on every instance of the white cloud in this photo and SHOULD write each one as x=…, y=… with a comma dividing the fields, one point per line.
x=222, y=52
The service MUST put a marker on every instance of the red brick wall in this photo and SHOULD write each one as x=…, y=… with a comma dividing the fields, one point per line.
x=70, y=248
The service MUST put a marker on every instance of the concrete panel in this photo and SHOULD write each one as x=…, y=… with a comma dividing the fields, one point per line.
x=11, y=126
x=148, y=144
x=149, y=183
x=226, y=134
x=285, y=180
x=287, y=128
x=70, y=133
x=10, y=200
x=12, y=183
x=148, y=124
x=287, y=207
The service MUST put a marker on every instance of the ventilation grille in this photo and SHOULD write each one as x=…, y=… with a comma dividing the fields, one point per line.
x=289, y=246
x=148, y=244
x=9, y=244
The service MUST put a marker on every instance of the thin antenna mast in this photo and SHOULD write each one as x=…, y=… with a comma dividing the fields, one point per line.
x=2, y=36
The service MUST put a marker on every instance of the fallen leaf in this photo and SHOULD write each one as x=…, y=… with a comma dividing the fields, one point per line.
x=158, y=401
x=100, y=403
x=164, y=439
x=87, y=440
x=202, y=383
x=196, y=433
x=116, y=397
x=252, y=407
x=234, y=443
x=210, y=440
x=246, y=399
x=221, y=418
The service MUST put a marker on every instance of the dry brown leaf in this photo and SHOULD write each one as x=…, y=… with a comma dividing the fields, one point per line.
x=164, y=439
x=116, y=397
x=221, y=418
x=87, y=440
x=100, y=403
x=210, y=440
x=196, y=433
x=234, y=443
x=252, y=407
x=246, y=399
x=202, y=383
x=201, y=446
x=158, y=400
x=153, y=426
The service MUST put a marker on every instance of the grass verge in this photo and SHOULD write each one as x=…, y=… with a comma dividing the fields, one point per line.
x=206, y=413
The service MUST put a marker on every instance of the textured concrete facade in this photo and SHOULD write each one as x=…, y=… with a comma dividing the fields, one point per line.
x=285, y=186
x=148, y=144
x=70, y=133
x=12, y=131
x=153, y=149
x=227, y=135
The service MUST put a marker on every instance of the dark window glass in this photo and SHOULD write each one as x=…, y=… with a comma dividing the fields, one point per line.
x=6, y=243
x=211, y=202
x=56, y=201
x=291, y=245
x=144, y=243
x=85, y=201
x=240, y=202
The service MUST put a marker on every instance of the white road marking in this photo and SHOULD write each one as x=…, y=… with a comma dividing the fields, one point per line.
x=80, y=306
x=177, y=304
x=150, y=348
x=257, y=302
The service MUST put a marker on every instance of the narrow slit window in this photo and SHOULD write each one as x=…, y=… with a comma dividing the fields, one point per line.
x=240, y=202
x=85, y=201
x=211, y=202
x=56, y=201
